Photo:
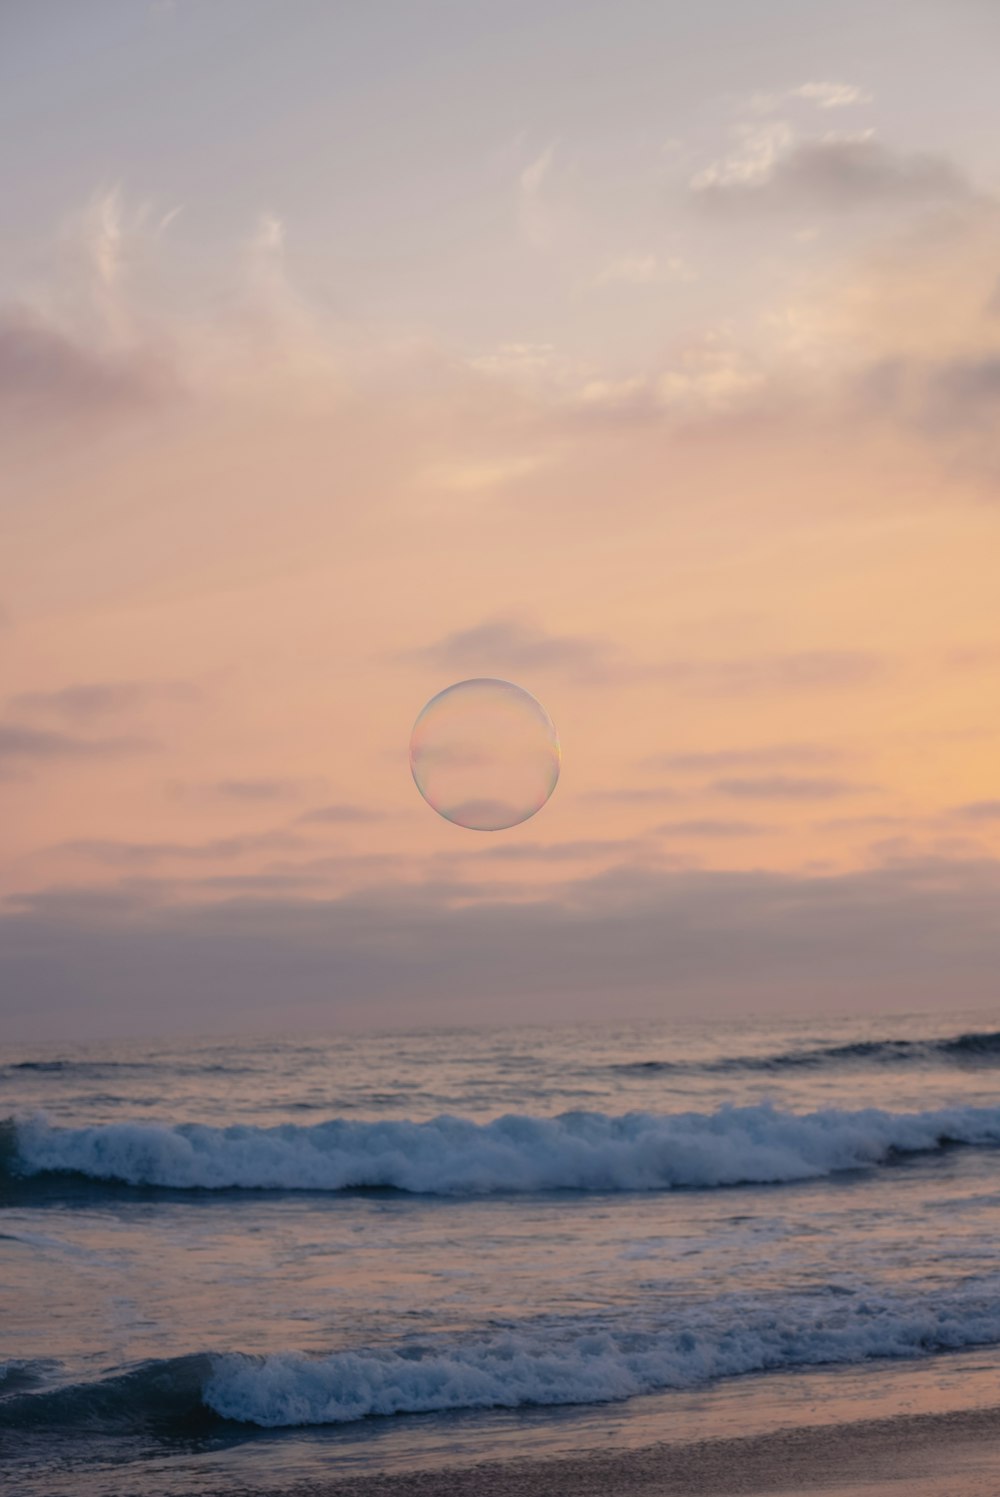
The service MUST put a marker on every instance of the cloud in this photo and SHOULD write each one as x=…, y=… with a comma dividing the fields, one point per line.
x=965, y=390
x=639, y=794
x=533, y=214
x=527, y=362
x=800, y=670
x=823, y=95
x=789, y=787
x=708, y=827
x=953, y=402
x=515, y=644
x=762, y=756
x=534, y=174
x=104, y=235
x=773, y=170
x=337, y=814
x=103, y=342
x=992, y=307
x=255, y=790
x=979, y=810
x=914, y=934
x=19, y=743
x=974, y=657
x=955, y=393
x=114, y=853
x=711, y=378
x=560, y=852
x=480, y=476
x=643, y=270
x=830, y=95
x=45, y=372
x=95, y=699
x=245, y=790
x=759, y=149
x=863, y=823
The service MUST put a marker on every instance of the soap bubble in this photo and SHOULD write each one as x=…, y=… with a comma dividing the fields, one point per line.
x=484, y=754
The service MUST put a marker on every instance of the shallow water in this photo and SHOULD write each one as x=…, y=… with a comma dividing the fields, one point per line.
x=208, y=1248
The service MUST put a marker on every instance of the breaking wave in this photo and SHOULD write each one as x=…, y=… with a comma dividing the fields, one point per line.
x=973, y=1049
x=579, y=1151
x=533, y=1364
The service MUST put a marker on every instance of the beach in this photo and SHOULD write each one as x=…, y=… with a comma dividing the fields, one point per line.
x=599, y=1259
x=938, y=1457
x=954, y=1452
x=955, y=1455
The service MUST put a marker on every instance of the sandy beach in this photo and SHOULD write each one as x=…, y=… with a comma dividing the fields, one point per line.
x=449, y=1298
x=947, y=1455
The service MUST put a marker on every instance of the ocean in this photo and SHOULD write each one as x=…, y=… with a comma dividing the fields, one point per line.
x=252, y=1265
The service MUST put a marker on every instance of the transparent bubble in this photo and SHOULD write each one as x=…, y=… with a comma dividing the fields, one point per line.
x=484, y=754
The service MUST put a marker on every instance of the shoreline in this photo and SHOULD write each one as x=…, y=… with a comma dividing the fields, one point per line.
x=955, y=1454
x=924, y=1430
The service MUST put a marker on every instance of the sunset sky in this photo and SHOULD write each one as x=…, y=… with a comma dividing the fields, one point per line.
x=645, y=354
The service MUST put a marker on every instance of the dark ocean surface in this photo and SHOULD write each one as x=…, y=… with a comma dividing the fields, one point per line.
x=230, y=1267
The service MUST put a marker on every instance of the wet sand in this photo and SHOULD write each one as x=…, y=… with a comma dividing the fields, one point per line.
x=948, y=1455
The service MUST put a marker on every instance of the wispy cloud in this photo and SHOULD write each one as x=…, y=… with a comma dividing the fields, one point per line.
x=46, y=372
x=472, y=476
x=104, y=235
x=256, y=790
x=338, y=814
x=96, y=699
x=762, y=756
x=822, y=95
x=643, y=270
x=789, y=787
x=532, y=209
x=120, y=853
x=974, y=657
x=800, y=670
x=772, y=169
x=19, y=743
x=634, y=794
x=830, y=95
x=953, y=402
x=582, y=848
x=752, y=163
x=863, y=823
x=711, y=828
x=979, y=810
x=516, y=644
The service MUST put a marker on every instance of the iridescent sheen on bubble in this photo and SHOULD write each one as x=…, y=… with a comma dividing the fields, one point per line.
x=484, y=754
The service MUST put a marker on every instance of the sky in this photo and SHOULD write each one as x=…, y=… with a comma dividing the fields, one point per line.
x=647, y=355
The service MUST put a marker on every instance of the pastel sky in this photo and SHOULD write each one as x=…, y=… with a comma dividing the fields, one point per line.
x=645, y=354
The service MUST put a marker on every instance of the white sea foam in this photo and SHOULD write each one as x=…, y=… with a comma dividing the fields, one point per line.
x=451, y=1156
x=545, y=1366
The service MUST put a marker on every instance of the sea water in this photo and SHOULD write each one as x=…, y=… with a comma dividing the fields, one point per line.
x=228, y=1265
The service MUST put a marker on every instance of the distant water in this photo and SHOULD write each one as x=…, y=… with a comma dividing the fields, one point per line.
x=201, y=1242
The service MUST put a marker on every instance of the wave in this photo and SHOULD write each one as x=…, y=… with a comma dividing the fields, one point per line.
x=579, y=1151
x=536, y=1364
x=89, y=1069
x=975, y=1048
x=164, y=1396
x=19, y=1373
x=517, y=1369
